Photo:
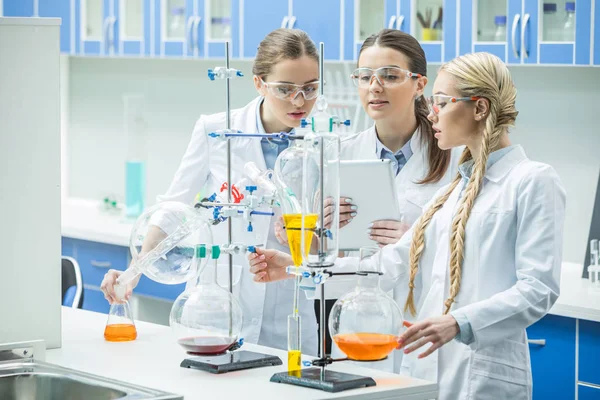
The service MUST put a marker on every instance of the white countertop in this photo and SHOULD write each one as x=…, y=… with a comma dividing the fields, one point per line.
x=82, y=219
x=153, y=359
x=577, y=299
x=30, y=21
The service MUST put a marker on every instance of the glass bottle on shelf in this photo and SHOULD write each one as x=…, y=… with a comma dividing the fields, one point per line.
x=568, y=31
x=500, y=33
x=550, y=22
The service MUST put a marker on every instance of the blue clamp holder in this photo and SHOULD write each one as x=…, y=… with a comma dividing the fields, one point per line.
x=251, y=189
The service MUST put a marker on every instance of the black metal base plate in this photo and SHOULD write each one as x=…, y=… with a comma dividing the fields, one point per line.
x=331, y=381
x=231, y=361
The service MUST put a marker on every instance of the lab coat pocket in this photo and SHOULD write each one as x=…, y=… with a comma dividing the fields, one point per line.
x=500, y=372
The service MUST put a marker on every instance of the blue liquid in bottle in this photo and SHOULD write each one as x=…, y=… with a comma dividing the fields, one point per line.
x=135, y=188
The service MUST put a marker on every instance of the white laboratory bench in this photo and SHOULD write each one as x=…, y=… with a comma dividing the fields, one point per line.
x=153, y=359
x=564, y=345
x=82, y=219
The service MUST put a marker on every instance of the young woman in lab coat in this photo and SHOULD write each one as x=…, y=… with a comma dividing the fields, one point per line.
x=483, y=262
x=286, y=77
x=391, y=76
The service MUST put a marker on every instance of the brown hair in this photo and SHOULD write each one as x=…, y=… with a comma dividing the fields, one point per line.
x=483, y=75
x=282, y=44
x=438, y=159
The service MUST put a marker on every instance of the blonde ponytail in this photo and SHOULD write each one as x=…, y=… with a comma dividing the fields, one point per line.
x=482, y=75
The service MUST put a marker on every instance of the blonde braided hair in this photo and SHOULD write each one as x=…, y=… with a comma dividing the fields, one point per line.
x=482, y=75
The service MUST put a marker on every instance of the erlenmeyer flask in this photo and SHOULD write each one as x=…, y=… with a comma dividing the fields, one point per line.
x=365, y=323
x=120, y=326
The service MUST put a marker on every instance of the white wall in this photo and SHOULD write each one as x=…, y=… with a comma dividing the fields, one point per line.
x=555, y=125
x=30, y=286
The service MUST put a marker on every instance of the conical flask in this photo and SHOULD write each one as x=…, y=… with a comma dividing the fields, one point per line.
x=365, y=323
x=120, y=326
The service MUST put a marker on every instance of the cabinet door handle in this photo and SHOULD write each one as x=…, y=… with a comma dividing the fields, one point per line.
x=195, y=31
x=523, y=27
x=105, y=29
x=101, y=264
x=392, y=22
x=537, y=342
x=113, y=33
x=188, y=33
x=284, y=21
x=399, y=22
x=514, y=34
x=292, y=22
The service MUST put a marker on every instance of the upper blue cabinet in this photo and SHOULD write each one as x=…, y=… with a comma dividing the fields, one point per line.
x=537, y=32
x=432, y=22
x=95, y=27
x=321, y=20
x=132, y=29
x=178, y=28
x=528, y=31
x=222, y=25
x=596, y=38
x=257, y=19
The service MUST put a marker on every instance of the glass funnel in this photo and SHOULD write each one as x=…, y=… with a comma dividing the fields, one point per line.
x=162, y=243
x=288, y=179
x=206, y=320
x=366, y=322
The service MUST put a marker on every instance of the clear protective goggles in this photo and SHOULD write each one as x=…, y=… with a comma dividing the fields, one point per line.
x=289, y=91
x=438, y=101
x=385, y=76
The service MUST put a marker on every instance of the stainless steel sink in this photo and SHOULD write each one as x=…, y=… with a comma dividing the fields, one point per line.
x=35, y=380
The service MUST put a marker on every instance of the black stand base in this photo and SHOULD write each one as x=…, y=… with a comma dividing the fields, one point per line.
x=330, y=381
x=231, y=361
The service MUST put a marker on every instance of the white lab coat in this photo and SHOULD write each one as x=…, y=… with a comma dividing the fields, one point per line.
x=412, y=197
x=510, y=279
x=205, y=163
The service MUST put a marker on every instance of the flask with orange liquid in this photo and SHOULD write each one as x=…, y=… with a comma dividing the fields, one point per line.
x=366, y=322
x=120, y=326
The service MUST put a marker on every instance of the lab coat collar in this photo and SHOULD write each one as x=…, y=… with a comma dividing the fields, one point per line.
x=505, y=164
x=415, y=141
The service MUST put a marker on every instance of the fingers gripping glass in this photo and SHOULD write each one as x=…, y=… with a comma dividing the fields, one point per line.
x=439, y=101
x=289, y=91
x=385, y=76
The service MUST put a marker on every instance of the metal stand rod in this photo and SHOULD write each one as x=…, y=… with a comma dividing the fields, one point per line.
x=228, y=125
x=323, y=323
x=229, y=220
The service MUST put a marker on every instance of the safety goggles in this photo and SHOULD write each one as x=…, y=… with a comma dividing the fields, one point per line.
x=385, y=76
x=289, y=91
x=438, y=101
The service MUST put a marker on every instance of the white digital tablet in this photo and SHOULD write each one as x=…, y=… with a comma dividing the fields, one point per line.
x=371, y=184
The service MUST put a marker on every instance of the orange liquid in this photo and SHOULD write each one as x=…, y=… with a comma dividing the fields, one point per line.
x=366, y=346
x=293, y=225
x=120, y=332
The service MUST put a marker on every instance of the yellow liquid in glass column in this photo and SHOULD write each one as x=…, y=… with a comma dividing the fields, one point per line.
x=293, y=228
x=294, y=362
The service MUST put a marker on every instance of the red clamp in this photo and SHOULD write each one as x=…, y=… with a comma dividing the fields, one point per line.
x=235, y=193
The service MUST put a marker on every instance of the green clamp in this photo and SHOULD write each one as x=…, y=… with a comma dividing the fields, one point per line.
x=215, y=252
x=201, y=251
